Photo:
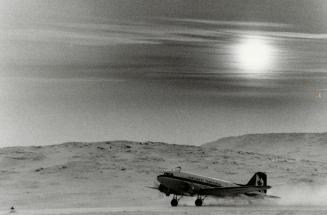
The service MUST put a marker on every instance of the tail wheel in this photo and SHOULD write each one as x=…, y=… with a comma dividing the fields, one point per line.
x=198, y=202
x=174, y=202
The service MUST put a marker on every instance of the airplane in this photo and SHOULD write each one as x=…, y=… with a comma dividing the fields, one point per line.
x=181, y=184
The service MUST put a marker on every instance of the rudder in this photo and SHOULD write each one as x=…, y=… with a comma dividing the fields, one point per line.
x=258, y=179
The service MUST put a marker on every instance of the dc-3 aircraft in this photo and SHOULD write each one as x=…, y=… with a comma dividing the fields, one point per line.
x=181, y=184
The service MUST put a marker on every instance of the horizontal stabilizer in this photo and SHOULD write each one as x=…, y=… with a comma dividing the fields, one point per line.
x=229, y=191
x=155, y=188
x=271, y=197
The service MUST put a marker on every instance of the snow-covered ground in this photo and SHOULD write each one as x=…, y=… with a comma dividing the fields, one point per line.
x=190, y=210
x=110, y=177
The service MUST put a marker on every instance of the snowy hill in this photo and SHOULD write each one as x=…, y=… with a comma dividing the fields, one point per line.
x=309, y=146
x=115, y=173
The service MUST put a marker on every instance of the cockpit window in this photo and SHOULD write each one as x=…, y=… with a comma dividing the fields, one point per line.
x=168, y=174
x=177, y=169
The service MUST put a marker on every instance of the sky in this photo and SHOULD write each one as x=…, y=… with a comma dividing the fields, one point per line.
x=176, y=71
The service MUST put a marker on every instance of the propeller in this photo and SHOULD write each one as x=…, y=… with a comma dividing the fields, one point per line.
x=157, y=186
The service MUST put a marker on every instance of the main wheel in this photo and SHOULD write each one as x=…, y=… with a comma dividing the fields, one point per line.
x=174, y=202
x=198, y=202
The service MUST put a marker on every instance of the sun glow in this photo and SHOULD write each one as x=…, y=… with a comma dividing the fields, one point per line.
x=254, y=55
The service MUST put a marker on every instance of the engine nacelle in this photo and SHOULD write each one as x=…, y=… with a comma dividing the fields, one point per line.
x=164, y=189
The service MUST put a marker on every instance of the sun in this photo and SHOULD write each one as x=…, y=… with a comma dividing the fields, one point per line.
x=254, y=55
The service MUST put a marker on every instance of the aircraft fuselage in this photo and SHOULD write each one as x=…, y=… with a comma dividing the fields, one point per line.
x=182, y=183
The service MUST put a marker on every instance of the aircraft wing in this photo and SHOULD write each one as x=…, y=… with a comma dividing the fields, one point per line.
x=226, y=191
x=271, y=197
x=155, y=188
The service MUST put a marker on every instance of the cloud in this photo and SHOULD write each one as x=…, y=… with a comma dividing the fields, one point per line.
x=279, y=34
x=161, y=50
x=111, y=32
x=229, y=23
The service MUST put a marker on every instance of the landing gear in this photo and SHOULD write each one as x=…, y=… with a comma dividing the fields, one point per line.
x=198, y=202
x=175, y=200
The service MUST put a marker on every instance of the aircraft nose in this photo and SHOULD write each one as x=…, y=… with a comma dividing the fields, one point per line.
x=159, y=178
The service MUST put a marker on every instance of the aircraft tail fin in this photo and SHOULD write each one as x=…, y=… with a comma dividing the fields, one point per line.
x=258, y=179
